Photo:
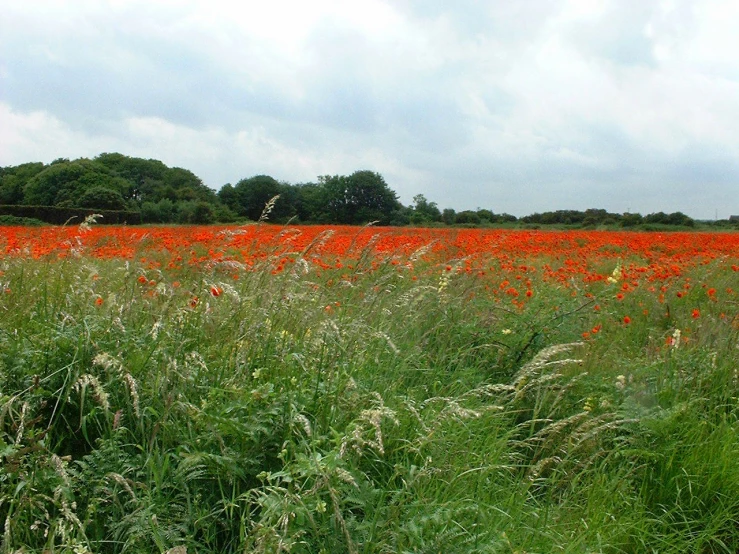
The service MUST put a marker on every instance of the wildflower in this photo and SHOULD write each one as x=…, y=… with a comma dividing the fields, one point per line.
x=99, y=301
x=696, y=313
x=620, y=382
x=194, y=301
x=674, y=340
x=616, y=275
x=142, y=279
x=627, y=320
x=216, y=291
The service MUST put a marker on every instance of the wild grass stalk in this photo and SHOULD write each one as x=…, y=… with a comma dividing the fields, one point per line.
x=394, y=407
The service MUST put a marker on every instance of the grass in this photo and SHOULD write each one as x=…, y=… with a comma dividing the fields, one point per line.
x=145, y=410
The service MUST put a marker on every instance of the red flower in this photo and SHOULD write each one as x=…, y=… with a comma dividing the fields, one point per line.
x=627, y=320
x=696, y=313
x=216, y=291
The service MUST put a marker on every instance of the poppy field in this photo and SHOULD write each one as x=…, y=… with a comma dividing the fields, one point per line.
x=368, y=390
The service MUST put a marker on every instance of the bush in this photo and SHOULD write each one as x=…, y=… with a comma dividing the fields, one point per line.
x=61, y=215
x=102, y=198
x=25, y=221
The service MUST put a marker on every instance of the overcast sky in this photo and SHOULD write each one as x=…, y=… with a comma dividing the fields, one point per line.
x=517, y=106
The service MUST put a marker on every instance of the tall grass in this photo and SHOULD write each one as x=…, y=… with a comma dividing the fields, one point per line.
x=145, y=410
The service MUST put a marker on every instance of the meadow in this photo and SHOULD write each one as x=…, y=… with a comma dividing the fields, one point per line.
x=368, y=390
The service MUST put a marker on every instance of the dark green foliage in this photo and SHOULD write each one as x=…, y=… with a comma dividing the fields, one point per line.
x=102, y=197
x=175, y=195
x=64, y=183
x=15, y=220
x=14, y=179
x=112, y=182
x=359, y=198
x=60, y=215
x=467, y=217
x=249, y=197
x=424, y=211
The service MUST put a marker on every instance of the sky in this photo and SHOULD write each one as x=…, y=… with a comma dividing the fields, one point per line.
x=514, y=106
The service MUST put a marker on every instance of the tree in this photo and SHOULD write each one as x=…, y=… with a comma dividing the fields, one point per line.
x=424, y=211
x=467, y=217
x=309, y=205
x=228, y=197
x=102, y=198
x=360, y=198
x=63, y=183
x=449, y=216
x=252, y=194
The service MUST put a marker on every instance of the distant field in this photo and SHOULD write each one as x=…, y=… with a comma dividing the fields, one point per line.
x=341, y=389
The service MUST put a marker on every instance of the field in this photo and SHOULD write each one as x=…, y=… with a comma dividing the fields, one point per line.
x=368, y=390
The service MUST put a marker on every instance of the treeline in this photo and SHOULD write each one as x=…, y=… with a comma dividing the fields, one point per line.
x=595, y=217
x=136, y=190
x=113, y=182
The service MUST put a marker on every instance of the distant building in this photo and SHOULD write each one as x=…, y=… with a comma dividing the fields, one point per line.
x=734, y=218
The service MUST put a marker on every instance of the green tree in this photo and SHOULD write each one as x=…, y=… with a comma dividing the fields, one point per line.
x=13, y=181
x=361, y=197
x=310, y=203
x=102, y=198
x=467, y=217
x=228, y=197
x=424, y=211
x=63, y=183
x=252, y=194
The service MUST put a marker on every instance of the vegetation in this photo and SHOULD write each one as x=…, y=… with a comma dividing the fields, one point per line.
x=266, y=389
x=161, y=194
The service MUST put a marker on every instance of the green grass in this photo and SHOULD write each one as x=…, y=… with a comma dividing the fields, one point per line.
x=299, y=413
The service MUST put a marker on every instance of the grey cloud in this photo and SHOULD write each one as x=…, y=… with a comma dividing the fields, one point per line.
x=441, y=118
x=619, y=35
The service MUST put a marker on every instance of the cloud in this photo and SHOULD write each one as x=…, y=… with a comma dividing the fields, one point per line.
x=515, y=106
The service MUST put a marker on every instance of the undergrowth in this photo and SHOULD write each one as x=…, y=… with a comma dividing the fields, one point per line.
x=146, y=410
